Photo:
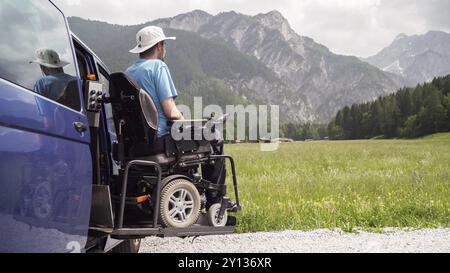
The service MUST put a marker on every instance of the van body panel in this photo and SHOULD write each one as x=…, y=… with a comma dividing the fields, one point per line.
x=46, y=171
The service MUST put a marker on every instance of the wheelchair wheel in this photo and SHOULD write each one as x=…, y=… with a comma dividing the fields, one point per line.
x=213, y=216
x=180, y=204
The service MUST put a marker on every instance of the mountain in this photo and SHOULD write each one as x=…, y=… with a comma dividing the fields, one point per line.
x=417, y=58
x=327, y=80
x=191, y=21
x=200, y=67
x=260, y=59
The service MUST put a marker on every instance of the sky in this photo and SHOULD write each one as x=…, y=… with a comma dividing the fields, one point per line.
x=349, y=27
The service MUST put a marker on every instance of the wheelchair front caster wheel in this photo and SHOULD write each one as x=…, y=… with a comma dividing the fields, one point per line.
x=180, y=204
x=213, y=216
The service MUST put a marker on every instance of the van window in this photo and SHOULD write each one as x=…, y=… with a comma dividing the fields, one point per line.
x=108, y=108
x=35, y=51
x=82, y=64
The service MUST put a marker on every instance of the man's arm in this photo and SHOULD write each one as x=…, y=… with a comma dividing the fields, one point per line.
x=171, y=110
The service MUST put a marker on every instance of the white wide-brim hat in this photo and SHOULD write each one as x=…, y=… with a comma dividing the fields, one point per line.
x=49, y=58
x=148, y=37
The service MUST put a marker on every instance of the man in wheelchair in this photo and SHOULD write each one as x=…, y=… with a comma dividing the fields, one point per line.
x=188, y=186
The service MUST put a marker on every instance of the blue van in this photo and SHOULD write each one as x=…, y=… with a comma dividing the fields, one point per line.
x=66, y=142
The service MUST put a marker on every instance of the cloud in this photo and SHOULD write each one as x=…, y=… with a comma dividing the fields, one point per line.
x=73, y=2
x=352, y=27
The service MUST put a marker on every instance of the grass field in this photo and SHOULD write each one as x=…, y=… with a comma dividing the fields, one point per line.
x=368, y=184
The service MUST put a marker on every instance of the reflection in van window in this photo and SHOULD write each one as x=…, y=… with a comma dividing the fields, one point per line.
x=54, y=82
x=35, y=51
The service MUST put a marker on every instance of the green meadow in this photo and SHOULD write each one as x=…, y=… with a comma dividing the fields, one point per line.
x=368, y=184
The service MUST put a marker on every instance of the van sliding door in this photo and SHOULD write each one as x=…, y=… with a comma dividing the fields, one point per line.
x=45, y=161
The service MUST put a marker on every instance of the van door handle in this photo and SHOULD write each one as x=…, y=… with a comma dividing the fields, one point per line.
x=80, y=127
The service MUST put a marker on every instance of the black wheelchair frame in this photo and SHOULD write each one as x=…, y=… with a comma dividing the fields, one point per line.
x=179, y=155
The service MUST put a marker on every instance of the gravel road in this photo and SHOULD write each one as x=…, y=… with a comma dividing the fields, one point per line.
x=329, y=241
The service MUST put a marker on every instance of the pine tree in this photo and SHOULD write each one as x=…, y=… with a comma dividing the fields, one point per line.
x=446, y=100
x=432, y=117
x=346, y=122
x=356, y=120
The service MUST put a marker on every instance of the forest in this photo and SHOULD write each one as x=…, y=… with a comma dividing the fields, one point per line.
x=409, y=113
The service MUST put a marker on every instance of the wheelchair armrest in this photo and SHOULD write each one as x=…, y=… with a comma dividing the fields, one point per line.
x=194, y=128
x=193, y=125
x=188, y=122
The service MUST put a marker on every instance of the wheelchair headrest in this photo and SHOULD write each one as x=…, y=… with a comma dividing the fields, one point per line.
x=126, y=88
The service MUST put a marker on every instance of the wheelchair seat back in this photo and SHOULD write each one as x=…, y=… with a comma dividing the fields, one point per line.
x=134, y=108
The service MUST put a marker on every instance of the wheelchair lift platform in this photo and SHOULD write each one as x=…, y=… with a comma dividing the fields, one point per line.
x=195, y=230
x=152, y=228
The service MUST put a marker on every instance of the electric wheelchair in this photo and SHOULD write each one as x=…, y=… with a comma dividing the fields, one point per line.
x=166, y=182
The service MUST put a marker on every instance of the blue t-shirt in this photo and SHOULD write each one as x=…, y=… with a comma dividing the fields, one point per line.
x=154, y=77
x=53, y=86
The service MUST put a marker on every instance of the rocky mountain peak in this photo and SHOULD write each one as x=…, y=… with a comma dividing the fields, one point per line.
x=304, y=77
x=191, y=21
x=436, y=33
x=275, y=20
x=418, y=58
x=228, y=14
x=274, y=14
x=308, y=68
x=400, y=37
x=199, y=12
